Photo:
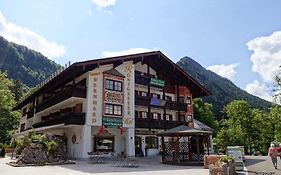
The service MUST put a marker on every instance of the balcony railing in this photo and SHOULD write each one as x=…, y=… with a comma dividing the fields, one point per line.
x=157, y=124
x=176, y=105
x=140, y=79
x=65, y=118
x=145, y=101
x=145, y=80
x=61, y=96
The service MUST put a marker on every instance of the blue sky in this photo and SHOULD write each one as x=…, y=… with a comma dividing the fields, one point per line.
x=237, y=39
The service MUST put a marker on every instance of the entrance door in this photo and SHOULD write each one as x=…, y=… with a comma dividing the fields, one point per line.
x=138, y=146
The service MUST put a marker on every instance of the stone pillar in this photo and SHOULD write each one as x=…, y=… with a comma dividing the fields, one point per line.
x=86, y=139
x=130, y=142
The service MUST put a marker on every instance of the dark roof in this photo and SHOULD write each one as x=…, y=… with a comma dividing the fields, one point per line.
x=184, y=130
x=114, y=72
x=202, y=126
x=157, y=60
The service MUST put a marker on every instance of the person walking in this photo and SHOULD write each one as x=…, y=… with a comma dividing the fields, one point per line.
x=272, y=152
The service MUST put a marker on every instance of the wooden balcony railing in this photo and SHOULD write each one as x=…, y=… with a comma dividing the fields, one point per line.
x=65, y=118
x=140, y=79
x=145, y=101
x=61, y=96
x=157, y=124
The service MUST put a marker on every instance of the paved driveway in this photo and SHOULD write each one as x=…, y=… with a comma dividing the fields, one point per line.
x=148, y=166
x=261, y=164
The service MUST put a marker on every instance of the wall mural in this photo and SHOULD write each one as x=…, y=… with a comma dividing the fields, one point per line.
x=114, y=97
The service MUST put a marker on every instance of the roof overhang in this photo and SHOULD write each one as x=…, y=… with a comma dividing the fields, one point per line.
x=156, y=59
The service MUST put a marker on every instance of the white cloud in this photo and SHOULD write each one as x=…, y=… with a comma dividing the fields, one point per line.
x=227, y=71
x=258, y=89
x=104, y=3
x=125, y=52
x=266, y=56
x=24, y=36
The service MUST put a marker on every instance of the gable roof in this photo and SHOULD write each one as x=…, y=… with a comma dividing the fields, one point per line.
x=114, y=72
x=156, y=59
x=202, y=126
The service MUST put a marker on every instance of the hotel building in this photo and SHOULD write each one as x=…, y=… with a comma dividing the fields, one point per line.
x=115, y=104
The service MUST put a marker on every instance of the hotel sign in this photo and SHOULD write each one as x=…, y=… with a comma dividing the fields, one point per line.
x=157, y=82
x=112, y=122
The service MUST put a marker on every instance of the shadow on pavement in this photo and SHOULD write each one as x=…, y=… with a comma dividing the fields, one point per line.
x=250, y=161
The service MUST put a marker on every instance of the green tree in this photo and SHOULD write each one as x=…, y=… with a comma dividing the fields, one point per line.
x=239, y=115
x=275, y=118
x=262, y=132
x=203, y=112
x=18, y=89
x=8, y=120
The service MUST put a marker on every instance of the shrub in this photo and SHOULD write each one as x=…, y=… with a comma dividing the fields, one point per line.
x=52, y=147
x=2, y=150
x=226, y=159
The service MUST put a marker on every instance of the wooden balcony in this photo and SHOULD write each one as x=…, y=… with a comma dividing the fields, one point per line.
x=140, y=79
x=66, y=93
x=172, y=105
x=157, y=124
x=65, y=118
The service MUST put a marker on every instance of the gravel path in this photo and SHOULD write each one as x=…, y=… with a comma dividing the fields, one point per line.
x=147, y=166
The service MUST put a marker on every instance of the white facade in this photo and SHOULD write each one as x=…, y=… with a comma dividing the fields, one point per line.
x=102, y=130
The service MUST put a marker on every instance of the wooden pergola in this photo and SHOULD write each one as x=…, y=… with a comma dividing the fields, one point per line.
x=184, y=145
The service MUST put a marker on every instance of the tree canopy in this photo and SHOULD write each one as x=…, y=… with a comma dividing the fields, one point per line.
x=8, y=119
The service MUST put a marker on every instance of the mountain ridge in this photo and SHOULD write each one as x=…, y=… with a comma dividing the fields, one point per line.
x=24, y=64
x=223, y=90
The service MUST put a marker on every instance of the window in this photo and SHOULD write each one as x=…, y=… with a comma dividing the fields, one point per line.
x=143, y=94
x=189, y=118
x=143, y=114
x=168, y=98
x=117, y=110
x=104, y=144
x=182, y=118
x=188, y=100
x=113, y=85
x=111, y=109
x=155, y=96
x=151, y=142
x=169, y=117
x=181, y=99
x=156, y=116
